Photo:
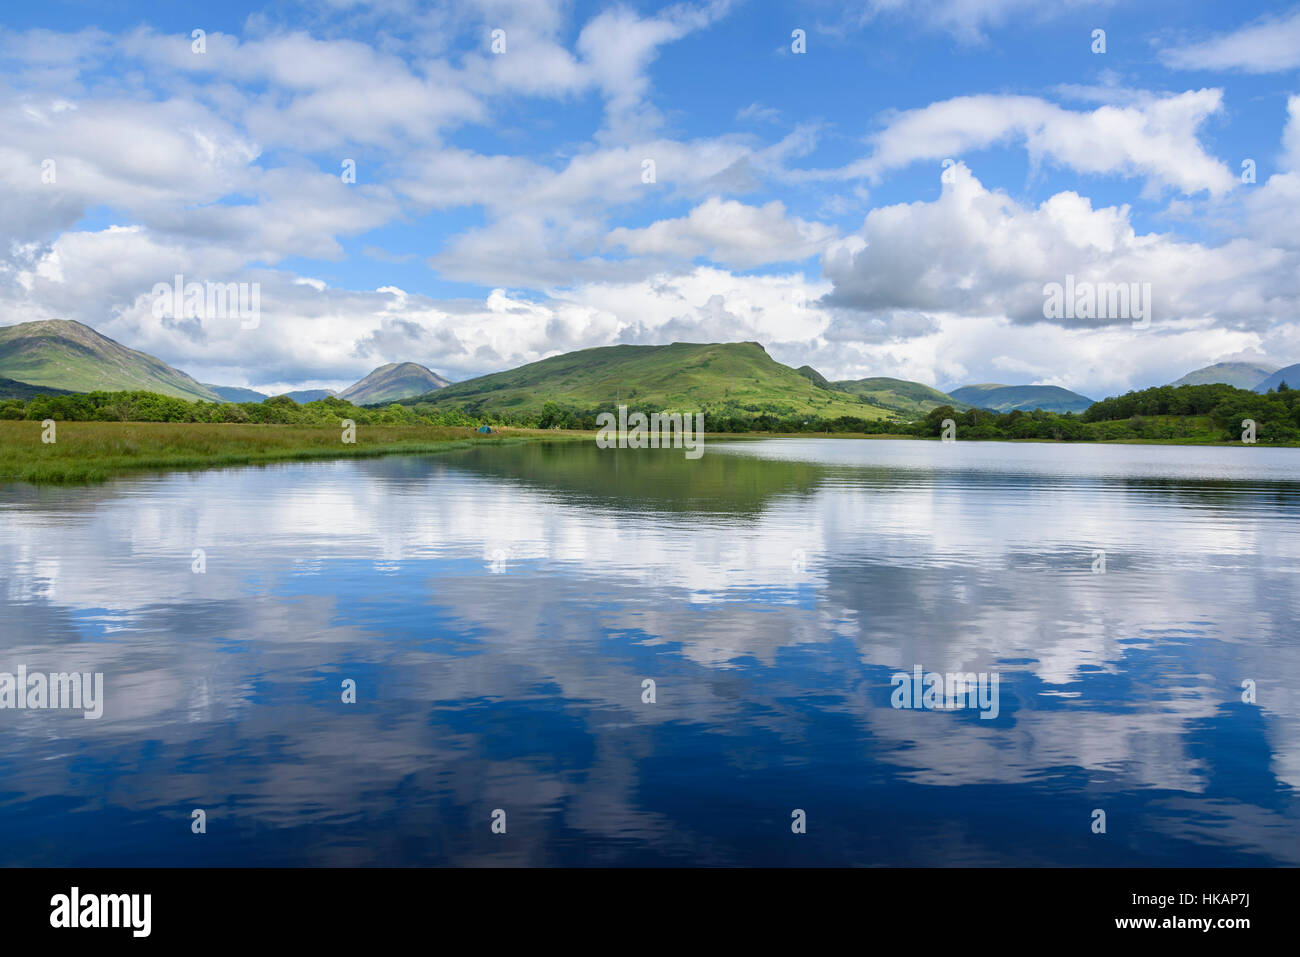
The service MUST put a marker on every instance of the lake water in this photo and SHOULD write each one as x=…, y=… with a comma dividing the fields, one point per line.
x=500, y=608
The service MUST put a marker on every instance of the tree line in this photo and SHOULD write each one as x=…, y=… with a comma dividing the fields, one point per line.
x=1192, y=412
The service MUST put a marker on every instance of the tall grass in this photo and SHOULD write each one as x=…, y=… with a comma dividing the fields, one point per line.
x=94, y=451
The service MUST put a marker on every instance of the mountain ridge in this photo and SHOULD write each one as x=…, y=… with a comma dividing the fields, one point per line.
x=1026, y=398
x=392, y=382
x=715, y=377
x=69, y=355
x=901, y=394
x=1242, y=375
x=63, y=355
x=1288, y=374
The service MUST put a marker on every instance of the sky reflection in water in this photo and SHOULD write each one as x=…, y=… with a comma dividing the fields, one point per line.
x=499, y=609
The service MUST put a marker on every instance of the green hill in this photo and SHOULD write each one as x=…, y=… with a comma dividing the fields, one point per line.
x=717, y=378
x=397, y=380
x=64, y=354
x=1242, y=375
x=1005, y=398
x=900, y=394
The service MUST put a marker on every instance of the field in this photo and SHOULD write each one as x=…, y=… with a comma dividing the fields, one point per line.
x=94, y=451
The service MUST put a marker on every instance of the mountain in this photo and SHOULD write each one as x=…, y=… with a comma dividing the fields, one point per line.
x=900, y=394
x=683, y=376
x=234, y=393
x=310, y=395
x=13, y=389
x=65, y=354
x=815, y=377
x=1290, y=375
x=1243, y=375
x=1005, y=398
x=397, y=380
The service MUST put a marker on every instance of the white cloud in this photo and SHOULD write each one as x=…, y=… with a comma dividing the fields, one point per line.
x=1156, y=139
x=548, y=228
x=139, y=157
x=617, y=46
x=1291, y=135
x=222, y=165
x=962, y=349
x=1273, y=206
x=729, y=233
x=966, y=19
x=977, y=252
x=1269, y=45
x=757, y=112
x=315, y=93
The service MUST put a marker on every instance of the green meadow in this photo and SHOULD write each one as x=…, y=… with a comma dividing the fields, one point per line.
x=95, y=451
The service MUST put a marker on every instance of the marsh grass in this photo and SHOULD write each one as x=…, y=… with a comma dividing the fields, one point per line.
x=95, y=451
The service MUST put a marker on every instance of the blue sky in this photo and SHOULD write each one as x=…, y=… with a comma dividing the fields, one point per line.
x=499, y=212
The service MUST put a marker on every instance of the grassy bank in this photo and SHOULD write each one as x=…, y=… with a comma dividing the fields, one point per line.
x=94, y=451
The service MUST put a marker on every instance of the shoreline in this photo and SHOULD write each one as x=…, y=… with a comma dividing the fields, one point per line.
x=91, y=452
x=713, y=436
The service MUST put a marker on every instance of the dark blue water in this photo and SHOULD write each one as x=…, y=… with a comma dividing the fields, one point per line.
x=499, y=610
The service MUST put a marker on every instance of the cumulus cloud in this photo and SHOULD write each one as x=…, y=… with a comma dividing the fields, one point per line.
x=977, y=252
x=1273, y=207
x=225, y=167
x=548, y=228
x=729, y=233
x=95, y=155
x=1156, y=139
x=617, y=45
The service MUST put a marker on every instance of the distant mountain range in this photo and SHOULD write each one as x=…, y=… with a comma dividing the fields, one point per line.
x=234, y=393
x=1242, y=375
x=310, y=395
x=717, y=376
x=62, y=355
x=54, y=356
x=1290, y=375
x=714, y=377
x=1008, y=398
x=899, y=394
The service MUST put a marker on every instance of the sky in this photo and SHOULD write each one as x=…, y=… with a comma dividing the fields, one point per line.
x=878, y=188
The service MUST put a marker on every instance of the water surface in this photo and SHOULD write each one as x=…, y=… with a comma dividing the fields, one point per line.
x=500, y=608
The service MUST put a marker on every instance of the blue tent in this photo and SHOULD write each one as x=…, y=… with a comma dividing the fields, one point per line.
x=485, y=428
